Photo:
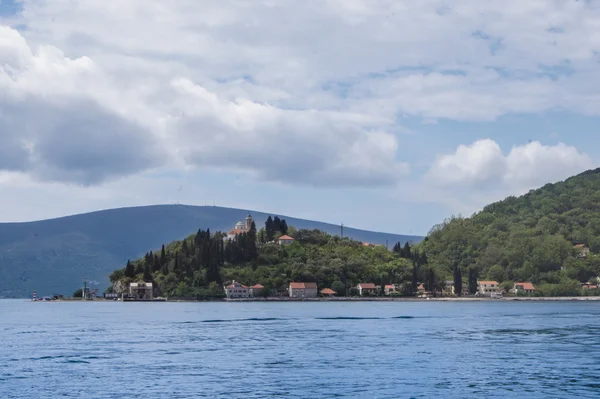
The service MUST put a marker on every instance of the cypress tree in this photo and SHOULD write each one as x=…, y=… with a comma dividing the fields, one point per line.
x=276, y=224
x=283, y=227
x=147, y=274
x=129, y=270
x=250, y=244
x=269, y=229
x=184, y=247
x=406, y=252
x=163, y=255
x=472, y=280
x=156, y=264
x=176, y=268
x=457, y=281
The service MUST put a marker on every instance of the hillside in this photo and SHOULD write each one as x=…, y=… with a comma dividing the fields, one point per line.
x=529, y=238
x=57, y=255
x=198, y=265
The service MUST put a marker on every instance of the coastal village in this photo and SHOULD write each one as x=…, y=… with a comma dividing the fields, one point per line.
x=301, y=290
x=304, y=290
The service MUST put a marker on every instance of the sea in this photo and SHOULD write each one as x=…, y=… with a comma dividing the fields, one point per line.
x=487, y=349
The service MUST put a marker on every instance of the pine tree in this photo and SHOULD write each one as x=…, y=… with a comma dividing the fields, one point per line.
x=129, y=270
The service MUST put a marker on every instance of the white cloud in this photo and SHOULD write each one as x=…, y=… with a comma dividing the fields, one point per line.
x=525, y=166
x=70, y=120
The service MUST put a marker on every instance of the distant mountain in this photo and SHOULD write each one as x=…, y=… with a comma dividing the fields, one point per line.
x=57, y=255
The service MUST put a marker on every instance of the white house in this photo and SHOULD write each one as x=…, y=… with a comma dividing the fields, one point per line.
x=303, y=290
x=237, y=290
x=285, y=240
x=487, y=288
x=525, y=288
x=141, y=290
x=364, y=288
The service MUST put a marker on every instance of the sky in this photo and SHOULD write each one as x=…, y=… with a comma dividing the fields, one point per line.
x=386, y=115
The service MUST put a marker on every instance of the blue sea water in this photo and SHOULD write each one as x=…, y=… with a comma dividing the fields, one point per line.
x=490, y=349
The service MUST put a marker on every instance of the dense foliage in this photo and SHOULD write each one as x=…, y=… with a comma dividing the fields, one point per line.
x=199, y=264
x=529, y=238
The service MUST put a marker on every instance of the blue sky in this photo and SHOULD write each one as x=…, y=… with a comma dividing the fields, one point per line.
x=385, y=115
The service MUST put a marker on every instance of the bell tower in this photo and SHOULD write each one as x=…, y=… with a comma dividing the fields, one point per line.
x=248, y=222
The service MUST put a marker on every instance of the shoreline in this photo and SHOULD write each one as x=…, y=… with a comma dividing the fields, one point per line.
x=351, y=299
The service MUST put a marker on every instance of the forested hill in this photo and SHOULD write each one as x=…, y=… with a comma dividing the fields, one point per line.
x=198, y=265
x=529, y=238
x=57, y=255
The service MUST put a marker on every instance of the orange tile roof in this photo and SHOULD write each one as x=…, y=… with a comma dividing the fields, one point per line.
x=526, y=286
x=236, y=231
x=580, y=246
x=303, y=285
x=286, y=237
x=389, y=286
x=257, y=286
x=328, y=291
x=421, y=287
x=369, y=286
x=492, y=282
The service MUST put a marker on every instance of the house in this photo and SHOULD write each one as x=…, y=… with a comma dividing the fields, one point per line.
x=240, y=227
x=256, y=290
x=487, y=288
x=448, y=289
x=285, y=240
x=523, y=288
x=141, y=291
x=328, y=292
x=237, y=290
x=366, y=288
x=303, y=290
x=582, y=251
x=390, y=289
x=589, y=286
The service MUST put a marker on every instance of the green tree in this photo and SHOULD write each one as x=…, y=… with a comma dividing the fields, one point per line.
x=147, y=273
x=129, y=270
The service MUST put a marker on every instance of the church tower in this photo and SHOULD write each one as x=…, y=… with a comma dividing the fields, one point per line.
x=248, y=222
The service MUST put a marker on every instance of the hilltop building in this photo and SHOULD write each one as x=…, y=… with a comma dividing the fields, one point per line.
x=240, y=227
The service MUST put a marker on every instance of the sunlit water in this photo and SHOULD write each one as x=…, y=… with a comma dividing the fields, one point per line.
x=299, y=350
